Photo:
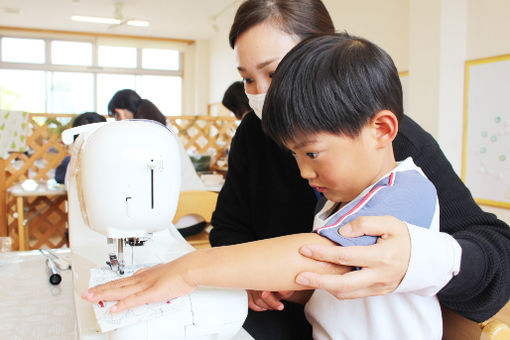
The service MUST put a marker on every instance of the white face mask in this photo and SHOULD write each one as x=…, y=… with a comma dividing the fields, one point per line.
x=256, y=102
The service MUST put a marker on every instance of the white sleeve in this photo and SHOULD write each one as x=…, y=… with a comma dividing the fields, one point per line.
x=435, y=259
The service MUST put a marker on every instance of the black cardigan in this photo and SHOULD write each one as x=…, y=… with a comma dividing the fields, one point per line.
x=264, y=196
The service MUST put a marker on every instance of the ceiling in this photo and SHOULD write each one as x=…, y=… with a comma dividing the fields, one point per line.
x=182, y=19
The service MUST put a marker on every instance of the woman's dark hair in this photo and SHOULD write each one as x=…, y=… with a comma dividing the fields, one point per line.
x=235, y=99
x=303, y=18
x=332, y=83
x=124, y=99
x=88, y=118
x=141, y=108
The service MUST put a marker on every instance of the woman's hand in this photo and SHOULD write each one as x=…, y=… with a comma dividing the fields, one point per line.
x=148, y=285
x=260, y=301
x=383, y=265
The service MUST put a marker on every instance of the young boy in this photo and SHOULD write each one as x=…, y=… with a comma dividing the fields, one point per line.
x=334, y=102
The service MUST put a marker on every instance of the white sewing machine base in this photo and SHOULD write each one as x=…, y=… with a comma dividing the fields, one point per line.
x=194, y=316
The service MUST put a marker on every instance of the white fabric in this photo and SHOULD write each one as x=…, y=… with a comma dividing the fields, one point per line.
x=189, y=181
x=441, y=262
x=415, y=315
x=189, y=177
x=14, y=131
x=108, y=321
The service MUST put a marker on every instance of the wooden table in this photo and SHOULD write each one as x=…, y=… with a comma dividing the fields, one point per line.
x=43, y=189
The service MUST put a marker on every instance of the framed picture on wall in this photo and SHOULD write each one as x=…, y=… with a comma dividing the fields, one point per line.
x=486, y=141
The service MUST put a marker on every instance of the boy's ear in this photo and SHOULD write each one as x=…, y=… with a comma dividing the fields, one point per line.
x=385, y=124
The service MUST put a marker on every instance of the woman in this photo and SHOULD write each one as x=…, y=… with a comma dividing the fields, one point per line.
x=235, y=100
x=264, y=196
x=127, y=104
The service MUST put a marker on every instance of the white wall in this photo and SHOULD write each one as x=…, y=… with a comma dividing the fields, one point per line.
x=488, y=28
x=436, y=57
x=384, y=22
x=223, y=67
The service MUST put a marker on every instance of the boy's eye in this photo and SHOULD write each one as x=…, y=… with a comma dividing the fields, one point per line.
x=312, y=155
x=248, y=80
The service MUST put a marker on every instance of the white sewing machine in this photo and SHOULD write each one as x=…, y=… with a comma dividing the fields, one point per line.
x=123, y=186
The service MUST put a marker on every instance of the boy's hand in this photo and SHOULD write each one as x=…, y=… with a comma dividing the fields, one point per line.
x=260, y=301
x=383, y=264
x=148, y=285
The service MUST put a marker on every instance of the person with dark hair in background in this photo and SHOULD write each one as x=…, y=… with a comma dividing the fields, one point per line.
x=82, y=119
x=127, y=104
x=264, y=196
x=235, y=100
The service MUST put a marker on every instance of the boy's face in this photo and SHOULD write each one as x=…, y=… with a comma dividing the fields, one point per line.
x=339, y=166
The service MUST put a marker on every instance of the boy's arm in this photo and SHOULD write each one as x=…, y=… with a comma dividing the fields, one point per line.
x=270, y=264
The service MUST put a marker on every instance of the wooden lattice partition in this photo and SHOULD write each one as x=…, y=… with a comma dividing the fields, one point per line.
x=199, y=134
x=46, y=216
x=206, y=135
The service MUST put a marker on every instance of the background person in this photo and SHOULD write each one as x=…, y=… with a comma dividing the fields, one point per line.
x=235, y=100
x=264, y=196
x=82, y=119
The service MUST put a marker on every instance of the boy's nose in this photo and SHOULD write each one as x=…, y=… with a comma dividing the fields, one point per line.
x=307, y=172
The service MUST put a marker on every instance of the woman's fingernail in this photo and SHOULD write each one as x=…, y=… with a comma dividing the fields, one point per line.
x=305, y=251
x=302, y=280
x=280, y=307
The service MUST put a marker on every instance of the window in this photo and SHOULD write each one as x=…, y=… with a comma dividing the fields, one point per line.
x=71, y=53
x=70, y=92
x=17, y=50
x=159, y=59
x=165, y=92
x=75, y=76
x=114, y=56
x=22, y=90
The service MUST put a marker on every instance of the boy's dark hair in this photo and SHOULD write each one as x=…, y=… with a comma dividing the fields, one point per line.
x=331, y=83
x=235, y=99
x=88, y=118
x=303, y=18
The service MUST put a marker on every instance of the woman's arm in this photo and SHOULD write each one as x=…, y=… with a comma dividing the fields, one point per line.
x=270, y=264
